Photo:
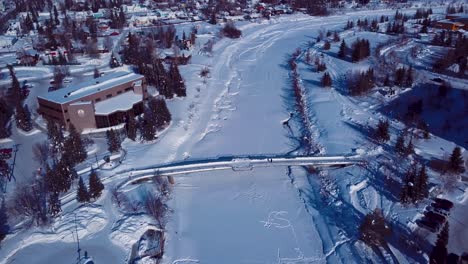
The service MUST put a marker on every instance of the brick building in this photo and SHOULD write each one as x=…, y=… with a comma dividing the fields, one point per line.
x=99, y=103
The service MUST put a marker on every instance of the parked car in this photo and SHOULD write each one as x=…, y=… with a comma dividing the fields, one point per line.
x=5, y=153
x=442, y=203
x=433, y=227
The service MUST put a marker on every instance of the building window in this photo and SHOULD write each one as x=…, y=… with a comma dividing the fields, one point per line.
x=109, y=96
x=66, y=111
x=128, y=89
x=68, y=120
x=98, y=100
x=119, y=92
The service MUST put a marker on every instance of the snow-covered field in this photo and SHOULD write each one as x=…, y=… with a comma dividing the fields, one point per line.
x=264, y=215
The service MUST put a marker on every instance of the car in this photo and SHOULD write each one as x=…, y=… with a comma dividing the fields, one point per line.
x=5, y=153
x=438, y=210
x=427, y=225
x=434, y=217
x=442, y=203
x=437, y=79
x=51, y=89
x=67, y=80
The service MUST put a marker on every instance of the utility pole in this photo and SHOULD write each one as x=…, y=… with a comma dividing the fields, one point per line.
x=78, y=250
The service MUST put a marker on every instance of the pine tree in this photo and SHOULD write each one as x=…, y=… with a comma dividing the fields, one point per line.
x=177, y=83
x=15, y=92
x=62, y=175
x=439, y=252
x=4, y=228
x=55, y=136
x=342, y=51
x=455, y=163
x=148, y=126
x=374, y=229
x=160, y=112
x=326, y=80
x=381, y=133
x=409, y=77
x=82, y=194
x=327, y=45
x=95, y=185
x=55, y=206
x=74, y=148
x=23, y=117
x=421, y=184
x=113, y=141
x=407, y=193
x=409, y=148
x=400, y=145
x=131, y=128
x=5, y=116
x=400, y=76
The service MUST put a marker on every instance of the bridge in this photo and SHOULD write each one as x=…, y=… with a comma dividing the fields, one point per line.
x=243, y=163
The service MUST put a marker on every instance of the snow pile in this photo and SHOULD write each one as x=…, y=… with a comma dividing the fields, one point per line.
x=129, y=229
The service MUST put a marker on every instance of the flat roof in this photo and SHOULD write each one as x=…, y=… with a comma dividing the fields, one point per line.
x=83, y=89
x=121, y=102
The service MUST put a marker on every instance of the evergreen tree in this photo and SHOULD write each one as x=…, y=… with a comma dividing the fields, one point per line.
x=409, y=148
x=5, y=116
x=439, y=252
x=55, y=136
x=421, y=184
x=55, y=206
x=374, y=229
x=342, y=51
x=113, y=141
x=62, y=175
x=177, y=83
x=82, y=194
x=23, y=117
x=148, y=126
x=327, y=45
x=131, y=128
x=455, y=163
x=408, y=193
x=74, y=148
x=409, y=77
x=381, y=132
x=95, y=185
x=15, y=93
x=4, y=228
x=326, y=80
x=400, y=76
x=400, y=145
x=160, y=112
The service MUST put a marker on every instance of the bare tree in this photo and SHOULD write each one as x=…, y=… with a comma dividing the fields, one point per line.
x=41, y=152
x=156, y=208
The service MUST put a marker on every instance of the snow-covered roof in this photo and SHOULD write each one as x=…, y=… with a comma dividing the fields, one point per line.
x=122, y=102
x=83, y=89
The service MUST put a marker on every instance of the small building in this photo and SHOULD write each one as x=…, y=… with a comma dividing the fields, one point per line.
x=449, y=25
x=103, y=102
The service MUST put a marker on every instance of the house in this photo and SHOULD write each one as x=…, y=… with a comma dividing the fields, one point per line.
x=449, y=25
x=103, y=102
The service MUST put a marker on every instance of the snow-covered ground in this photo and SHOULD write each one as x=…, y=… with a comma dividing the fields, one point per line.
x=266, y=215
